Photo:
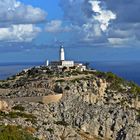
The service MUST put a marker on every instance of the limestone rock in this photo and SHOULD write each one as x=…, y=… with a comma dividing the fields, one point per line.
x=3, y=105
x=93, y=106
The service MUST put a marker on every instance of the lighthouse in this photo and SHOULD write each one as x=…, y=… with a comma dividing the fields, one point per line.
x=61, y=63
x=62, y=54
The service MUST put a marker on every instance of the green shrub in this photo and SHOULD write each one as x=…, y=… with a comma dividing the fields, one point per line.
x=4, y=85
x=100, y=74
x=116, y=83
x=67, y=88
x=32, y=120
x=11, y=132
x=138, y=116
x=18, y=107
x=28, y=117
x=50, y=130
x=40, y=102
x=20, y=114
x=17, y=114
x=135, y=89
x=62, y=123
x=60, y=80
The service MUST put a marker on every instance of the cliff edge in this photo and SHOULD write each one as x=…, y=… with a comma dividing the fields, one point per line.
x=94, y=105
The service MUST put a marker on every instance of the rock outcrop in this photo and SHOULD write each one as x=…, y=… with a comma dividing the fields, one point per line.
x=94, y=106
x=3, y=105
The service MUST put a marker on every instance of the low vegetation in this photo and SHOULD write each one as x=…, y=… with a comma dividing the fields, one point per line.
x=116, y=83
x=4, y=85
x=60, y=81
x=50, y=130
x=18, y=107
x=63, y=123
x=135, y=89
x=30, y=129
x=13, y=114
x=11, y=132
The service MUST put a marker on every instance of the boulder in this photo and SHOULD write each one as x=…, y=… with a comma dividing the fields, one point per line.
x=3, y=105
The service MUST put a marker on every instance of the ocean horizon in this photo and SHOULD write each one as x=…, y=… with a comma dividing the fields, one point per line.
x=129, y=70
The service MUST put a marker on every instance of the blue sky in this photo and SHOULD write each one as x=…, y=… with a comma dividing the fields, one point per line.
x=90, y=30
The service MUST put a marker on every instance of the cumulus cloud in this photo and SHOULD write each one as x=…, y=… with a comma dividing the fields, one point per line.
x=89, y=18
x=18, y=21
x=19, y=33
x=126, y=29
x=101, y=21
x=55, y=26
x=15, y=12
x=102, y=15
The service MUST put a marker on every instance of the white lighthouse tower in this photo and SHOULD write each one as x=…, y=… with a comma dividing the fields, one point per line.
x=62, y=54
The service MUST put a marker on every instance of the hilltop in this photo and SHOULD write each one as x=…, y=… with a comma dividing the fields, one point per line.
x=94, y=105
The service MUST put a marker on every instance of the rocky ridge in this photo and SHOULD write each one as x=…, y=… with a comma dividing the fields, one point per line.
x=94, y=105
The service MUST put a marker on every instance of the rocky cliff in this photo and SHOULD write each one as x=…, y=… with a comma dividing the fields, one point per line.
x=94, y=105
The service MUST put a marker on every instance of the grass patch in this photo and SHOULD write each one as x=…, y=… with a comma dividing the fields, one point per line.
x=21, y=114
x=11, y=132
x=28, y=117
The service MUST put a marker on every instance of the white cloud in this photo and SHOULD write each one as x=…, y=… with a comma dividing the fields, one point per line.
x=19, y=33
x=103, y=16
x=121, y=41
x=89, y=18
x=91, y=30
x=56, y=26
x=92, y=22
x=124, y=34
x=119, y=33
x=17, y=21
x=15, y=12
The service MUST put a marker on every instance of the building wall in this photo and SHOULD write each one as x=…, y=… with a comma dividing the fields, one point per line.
x=62, y=63
x=68, y=63
x=55, y=63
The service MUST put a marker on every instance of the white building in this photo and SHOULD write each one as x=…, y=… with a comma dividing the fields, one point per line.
x=62, y=62
x=65, y=63
x=80, y=66
x=62, y=54
x=47, y=63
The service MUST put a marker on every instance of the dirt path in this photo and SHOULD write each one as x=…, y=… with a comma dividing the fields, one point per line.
x=44, y=99
x=73, y=77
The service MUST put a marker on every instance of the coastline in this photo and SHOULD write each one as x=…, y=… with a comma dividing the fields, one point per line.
x=129, y=70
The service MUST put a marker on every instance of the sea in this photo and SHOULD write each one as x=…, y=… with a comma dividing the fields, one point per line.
x=129, y=70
